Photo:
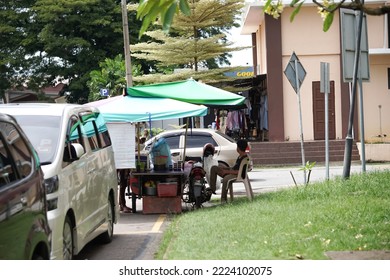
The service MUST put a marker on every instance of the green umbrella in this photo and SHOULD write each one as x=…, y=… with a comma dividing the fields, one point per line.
x=190, y=91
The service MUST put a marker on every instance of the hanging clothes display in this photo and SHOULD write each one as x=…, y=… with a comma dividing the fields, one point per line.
x=236, y=124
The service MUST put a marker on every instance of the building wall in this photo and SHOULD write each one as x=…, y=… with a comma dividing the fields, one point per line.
x=376, y=93
x=305, y=37
x=262, y=48
x=300, y=37
x=276, y=111
x=375, y=31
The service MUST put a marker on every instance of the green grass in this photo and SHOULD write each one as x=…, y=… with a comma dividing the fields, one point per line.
x=297, y=223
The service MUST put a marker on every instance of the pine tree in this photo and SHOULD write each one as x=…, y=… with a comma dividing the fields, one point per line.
x=194, y=42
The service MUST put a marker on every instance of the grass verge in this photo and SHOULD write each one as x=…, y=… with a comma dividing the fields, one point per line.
x=297, y=223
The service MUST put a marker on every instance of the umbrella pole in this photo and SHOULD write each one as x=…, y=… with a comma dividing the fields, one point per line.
x=185, y=144
x=139, y=147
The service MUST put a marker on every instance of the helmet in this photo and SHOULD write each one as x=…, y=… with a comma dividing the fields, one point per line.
x=208, y=150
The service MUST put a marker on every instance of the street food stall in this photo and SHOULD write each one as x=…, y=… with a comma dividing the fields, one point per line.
x=192, y=92
x=122, y=114
x=146, y=103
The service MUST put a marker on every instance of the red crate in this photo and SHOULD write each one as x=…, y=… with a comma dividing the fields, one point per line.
x=167, y=189
x=134, y=185
x=161, y=205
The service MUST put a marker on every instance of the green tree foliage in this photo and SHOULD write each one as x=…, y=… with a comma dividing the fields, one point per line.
x=194, y=41
x=44, y=41
x=15, y=40
x=111, y=76
x=76, y=35
x=326, y=8
x=150, y=11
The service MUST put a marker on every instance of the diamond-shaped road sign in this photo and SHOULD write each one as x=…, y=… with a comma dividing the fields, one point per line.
x=290, y=72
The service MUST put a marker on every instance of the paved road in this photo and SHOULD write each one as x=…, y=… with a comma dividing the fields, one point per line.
x=136, y=236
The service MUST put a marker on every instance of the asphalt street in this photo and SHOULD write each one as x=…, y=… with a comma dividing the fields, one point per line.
x=137, y=235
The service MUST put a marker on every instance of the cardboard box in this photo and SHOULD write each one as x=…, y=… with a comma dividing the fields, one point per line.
x=167, y=189
x=161, y=205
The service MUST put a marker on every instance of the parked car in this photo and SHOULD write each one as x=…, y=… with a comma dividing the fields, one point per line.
x=225, y=146
x=77, y=159
x=24, y=227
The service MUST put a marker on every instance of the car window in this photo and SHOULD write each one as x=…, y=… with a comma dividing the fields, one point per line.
x=15, y=157
x=196, y=141
x=74, y=136
x=173, y=141
x=74, y=131
x=227, y=137
x=103, y=133
x=20, y=153
x=7, y=172
x=43, y=133
x=96, y=131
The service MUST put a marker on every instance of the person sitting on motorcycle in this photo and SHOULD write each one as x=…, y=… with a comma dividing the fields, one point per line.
x=228, y=173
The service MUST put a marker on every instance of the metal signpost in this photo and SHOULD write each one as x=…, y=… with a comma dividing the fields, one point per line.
x=325, y=88
x=355, y=70
x=295, y=73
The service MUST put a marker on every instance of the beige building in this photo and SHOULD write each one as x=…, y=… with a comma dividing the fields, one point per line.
x=274, y=41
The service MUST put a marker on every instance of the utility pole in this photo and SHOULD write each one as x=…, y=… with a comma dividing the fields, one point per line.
x=129, y=83
x=126, y=42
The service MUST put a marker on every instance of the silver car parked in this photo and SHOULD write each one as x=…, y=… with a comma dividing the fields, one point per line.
x=225, y=146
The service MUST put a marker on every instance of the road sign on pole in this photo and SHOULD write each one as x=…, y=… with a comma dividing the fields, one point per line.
x=292, y=69
x=295, y=73
x=355, y=58
x=349, y=34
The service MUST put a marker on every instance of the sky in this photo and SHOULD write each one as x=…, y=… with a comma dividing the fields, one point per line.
x=244, y=57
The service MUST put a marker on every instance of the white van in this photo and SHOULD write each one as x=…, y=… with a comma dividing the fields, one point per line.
x=77, y=160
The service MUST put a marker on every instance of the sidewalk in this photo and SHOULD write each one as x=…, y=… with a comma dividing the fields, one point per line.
x=266, y=179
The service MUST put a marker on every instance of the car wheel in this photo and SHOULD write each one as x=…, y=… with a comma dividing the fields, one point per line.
x=67, y=237
x=41, y=253
x=37, y=256
x=106, y=237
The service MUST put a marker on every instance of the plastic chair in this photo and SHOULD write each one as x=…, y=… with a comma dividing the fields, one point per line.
x=242, y=177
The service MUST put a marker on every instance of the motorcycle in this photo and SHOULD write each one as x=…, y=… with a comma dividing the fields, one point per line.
x=195, y=191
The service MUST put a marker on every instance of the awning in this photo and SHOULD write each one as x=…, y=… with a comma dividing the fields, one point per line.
x=136, y=109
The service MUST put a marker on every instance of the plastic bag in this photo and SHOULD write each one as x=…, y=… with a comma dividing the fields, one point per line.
x=161, y=154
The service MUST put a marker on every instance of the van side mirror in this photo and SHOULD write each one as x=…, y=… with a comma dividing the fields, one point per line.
x=76, y=151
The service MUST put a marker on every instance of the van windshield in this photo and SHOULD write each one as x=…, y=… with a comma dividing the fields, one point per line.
x=43, y=132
